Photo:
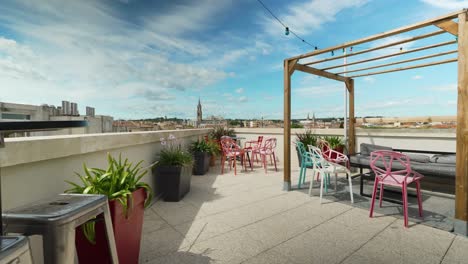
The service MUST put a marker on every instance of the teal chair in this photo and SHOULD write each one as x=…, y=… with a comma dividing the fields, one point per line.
x=305, y=160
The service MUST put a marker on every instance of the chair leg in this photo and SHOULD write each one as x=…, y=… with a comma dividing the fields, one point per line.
x=381, y=194
x=350, y=187
x=323, y=178
x=311, y=183
x=418, y=190
x=300, y=177
x=336, y=181
x=222, y=164
x=274, y=159
x=264, y=160
x=235, y=167
x=405, y=205
x=374, y=193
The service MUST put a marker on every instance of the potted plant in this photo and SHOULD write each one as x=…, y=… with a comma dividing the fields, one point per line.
x=215, y=150
x=336, y=143
x=174, y=170
x=221, y=131
x=201, y=157
x=306, y=138
x=128, y=196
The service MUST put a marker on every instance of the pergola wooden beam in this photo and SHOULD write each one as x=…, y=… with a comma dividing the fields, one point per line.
x=393, y=54
x=406, y=68
x=321, y=73
x=400, y=62
x=382, y=35
x=435, y=33
x=449, y=26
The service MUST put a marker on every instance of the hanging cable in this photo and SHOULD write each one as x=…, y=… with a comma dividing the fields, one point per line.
x=287, y=30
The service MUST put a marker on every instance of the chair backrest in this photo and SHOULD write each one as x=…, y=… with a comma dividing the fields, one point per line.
x=229, y=145
x=259, y=140
x=383, y=163
x=323, y=145
x=269, y=145
x=317, y=157
x=301, y=148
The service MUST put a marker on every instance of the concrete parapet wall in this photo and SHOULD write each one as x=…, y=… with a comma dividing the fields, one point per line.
x=34, y=168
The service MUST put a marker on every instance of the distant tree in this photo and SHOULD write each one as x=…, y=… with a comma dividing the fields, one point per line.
x=296, y=125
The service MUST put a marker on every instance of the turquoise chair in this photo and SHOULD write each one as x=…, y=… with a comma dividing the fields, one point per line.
x=306, y=162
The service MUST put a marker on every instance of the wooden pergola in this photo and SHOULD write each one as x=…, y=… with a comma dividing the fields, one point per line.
x=454, y=24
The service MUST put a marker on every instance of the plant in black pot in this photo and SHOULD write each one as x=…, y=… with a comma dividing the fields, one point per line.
x=201, y=151
x=215, y=150
x=306, y=138
x=174, y=170
x=128, y=196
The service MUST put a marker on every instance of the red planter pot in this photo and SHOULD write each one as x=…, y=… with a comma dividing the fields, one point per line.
x=127, y=232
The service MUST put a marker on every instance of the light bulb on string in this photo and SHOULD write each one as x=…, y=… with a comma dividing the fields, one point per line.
x=332, y=53
x=286, y=31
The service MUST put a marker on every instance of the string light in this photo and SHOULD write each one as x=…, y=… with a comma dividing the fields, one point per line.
x=286, y=31
x=332, y=53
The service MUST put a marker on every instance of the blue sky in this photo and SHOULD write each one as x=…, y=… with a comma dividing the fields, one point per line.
x=141, y=59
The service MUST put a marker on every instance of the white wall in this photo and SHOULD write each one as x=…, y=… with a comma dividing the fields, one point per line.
x=36, y=167
x=417, y=139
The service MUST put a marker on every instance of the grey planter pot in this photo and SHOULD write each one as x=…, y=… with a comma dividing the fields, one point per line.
x=201, y=163
x=174, y=181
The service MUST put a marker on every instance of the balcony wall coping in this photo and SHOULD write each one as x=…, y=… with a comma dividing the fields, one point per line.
x=33, y=149
x=393, y=133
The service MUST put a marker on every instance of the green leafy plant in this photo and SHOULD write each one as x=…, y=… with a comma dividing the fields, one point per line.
x=215, y=149
x=172, y=153
x=220, y=131
x=200, y=146
x=117, y=182
x=307, y=138
x=334, y=141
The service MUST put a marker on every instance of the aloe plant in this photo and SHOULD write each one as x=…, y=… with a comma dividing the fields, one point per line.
x=334, y=141
x=117, y=182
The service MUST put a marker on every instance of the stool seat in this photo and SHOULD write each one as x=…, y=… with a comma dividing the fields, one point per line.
x=57, y=210
x=56, y=219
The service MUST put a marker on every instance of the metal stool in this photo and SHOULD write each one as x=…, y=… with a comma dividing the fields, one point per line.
x=56, y=219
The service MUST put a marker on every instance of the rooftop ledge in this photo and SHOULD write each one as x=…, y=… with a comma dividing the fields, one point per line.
x=32, y=149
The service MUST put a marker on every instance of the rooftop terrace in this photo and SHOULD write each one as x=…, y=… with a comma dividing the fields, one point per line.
x=248, y=219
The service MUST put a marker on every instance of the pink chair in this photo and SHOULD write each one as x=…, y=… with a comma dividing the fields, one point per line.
x=253, y=146
x=332, y=155
x=268, y=149
x=382, y=162
x=230, y=152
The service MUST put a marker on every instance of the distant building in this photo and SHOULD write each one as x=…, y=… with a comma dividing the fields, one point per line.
x=68, y=111
x=199, y=113
x=133, y=126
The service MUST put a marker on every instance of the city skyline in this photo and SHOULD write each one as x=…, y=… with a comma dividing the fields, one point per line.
x=136, y=59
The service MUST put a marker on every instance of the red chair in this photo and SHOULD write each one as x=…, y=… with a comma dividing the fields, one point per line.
x=230, y=152
x=252, y=147
x=382, y=162
x=268, y=149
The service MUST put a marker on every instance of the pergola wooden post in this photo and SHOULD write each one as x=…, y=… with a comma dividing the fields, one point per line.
x=461, y=180
x=445, y=25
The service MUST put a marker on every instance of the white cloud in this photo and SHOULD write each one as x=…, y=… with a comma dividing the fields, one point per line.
x=369, y=79
x=447, y=4
x=85, y=52
x=417, y=77
x=240, y=90
x=444, y=88
x=318, y=91
x=243, y=99
x=305, y=17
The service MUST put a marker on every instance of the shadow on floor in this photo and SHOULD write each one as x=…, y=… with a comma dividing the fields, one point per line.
x=438, y=212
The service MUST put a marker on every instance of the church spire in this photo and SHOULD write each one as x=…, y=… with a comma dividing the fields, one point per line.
x=199, y=113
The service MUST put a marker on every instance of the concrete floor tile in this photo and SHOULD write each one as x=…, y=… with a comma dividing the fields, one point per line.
x=159, y=243
x=183, y=214
x=415, y=238
x=392, y=257
x=201, y=230
x=232, y=247
x=269, y=257
x=182, y=257
x=458, y=252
